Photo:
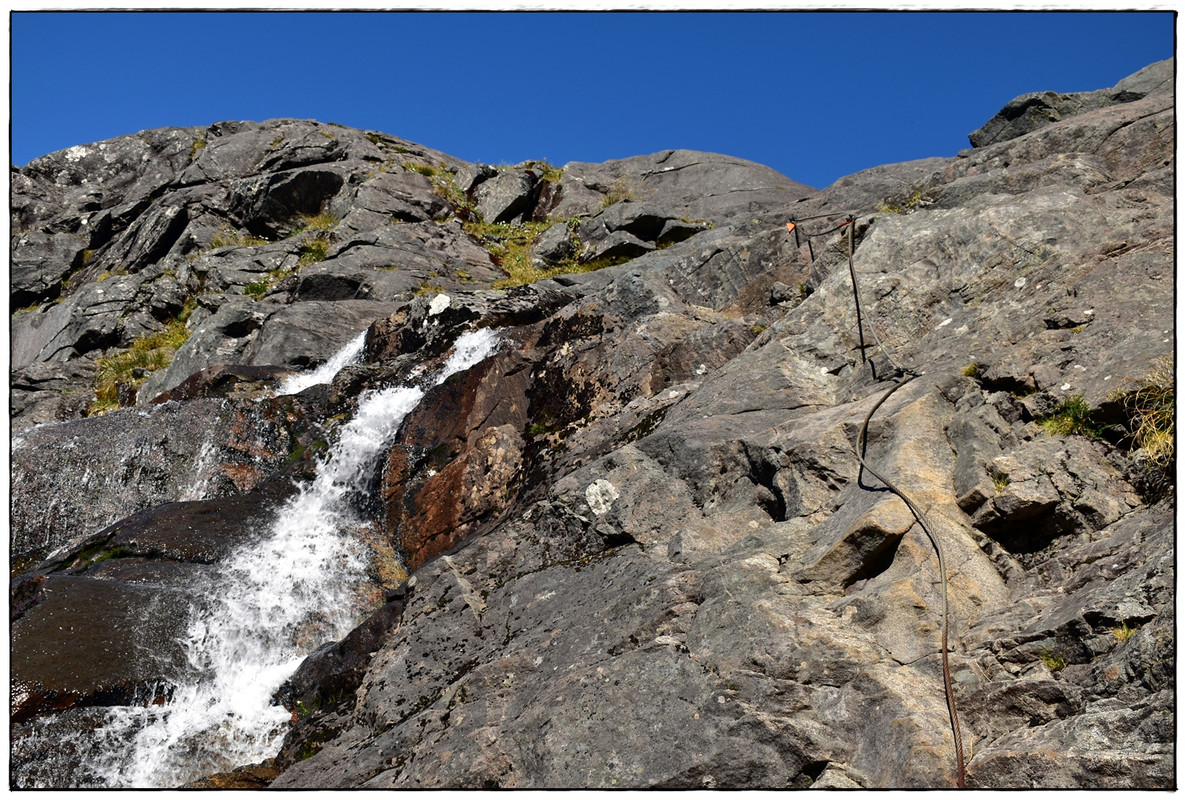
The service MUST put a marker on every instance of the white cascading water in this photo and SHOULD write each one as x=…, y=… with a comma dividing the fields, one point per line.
x=272, y=604
x=301, y=381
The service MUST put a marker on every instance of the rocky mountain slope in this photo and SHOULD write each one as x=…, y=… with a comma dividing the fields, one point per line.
x=633, y=546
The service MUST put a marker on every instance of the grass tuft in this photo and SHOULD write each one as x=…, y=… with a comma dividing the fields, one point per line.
x=132, y=366
x=621, y=190
x=1122, y=632
x=1072, y=417
x=1053, y=659
x=324, y=221
x=1151, y=409
x=313, y=250
x=904, y=204
x=229, y=237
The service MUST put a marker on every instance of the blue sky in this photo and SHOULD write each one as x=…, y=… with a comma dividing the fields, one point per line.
x=815, y=95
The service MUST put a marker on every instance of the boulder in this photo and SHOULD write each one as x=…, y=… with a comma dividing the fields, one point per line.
x=554, y=245
x=508, y=196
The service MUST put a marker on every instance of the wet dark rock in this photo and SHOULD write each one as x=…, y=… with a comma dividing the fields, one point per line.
x=93, y=642
x=458, y=462
x=223, y=380
x=326, y=681
x=255, y=776
x=131, y=460
x=102, y=624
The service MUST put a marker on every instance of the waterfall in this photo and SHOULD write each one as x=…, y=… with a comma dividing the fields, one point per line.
x=326, y=372
x=272, y=603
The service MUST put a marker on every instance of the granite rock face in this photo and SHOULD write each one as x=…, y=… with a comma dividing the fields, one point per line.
x=1029, y=112
x=642, y=550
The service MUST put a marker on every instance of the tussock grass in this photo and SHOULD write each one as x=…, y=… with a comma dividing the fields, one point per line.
x=132, y=366
x=1072, y=417
x=1150, y=406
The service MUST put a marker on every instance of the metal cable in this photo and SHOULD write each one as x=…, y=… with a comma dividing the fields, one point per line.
x=919, y=515
x=907, y=375
x=852, y=271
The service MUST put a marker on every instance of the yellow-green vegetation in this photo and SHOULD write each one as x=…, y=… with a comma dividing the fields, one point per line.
x=1122, y=632
x=547, y=171
x=257, y=289
x=313, y=250
x=230, y=237
x=621, y=190
x=429, y=288
x=1000, y=480
x=427, y=170
x=314, y=247
x=911, y=201
x=198, y=146
x=1151, y=409
x=1053, y=659
x=1072, y=417
x=510, y=245
x=132, y=366
x=971, y=371
x=323, y=221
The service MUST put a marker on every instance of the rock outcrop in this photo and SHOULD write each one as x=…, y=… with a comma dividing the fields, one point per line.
x=640, y=550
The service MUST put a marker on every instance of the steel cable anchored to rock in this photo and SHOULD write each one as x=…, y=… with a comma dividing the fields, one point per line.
x=904, y=376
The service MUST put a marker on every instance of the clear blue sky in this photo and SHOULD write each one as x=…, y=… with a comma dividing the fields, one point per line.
x=814, y=95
